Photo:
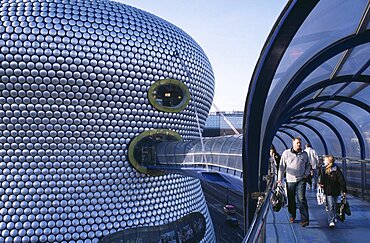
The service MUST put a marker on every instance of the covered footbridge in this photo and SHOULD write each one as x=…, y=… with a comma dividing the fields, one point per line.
x=312, y=81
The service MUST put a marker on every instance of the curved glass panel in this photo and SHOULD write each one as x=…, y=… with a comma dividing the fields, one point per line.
x=361, y=95
x=279, y=145
x=330, y=90
x=367, y=71
x=329, y=136
x=217, y=147
x=296, y=134
x=327, y=91
x=362, y=120
x=352, y=89
x=349, y=137
x=286, y=138
x=235, y=152
x=323, y=72
x=169, y=95
x=208, y=151
x=316, y=142
x=358, y=57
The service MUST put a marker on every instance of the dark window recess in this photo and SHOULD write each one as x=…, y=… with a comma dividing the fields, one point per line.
x=142, y=152
x=169, y=95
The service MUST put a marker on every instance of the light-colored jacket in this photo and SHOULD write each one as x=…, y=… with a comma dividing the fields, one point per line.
x=296, y=165
x=312, y=157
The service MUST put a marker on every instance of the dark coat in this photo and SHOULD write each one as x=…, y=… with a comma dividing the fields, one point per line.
x=333, y=182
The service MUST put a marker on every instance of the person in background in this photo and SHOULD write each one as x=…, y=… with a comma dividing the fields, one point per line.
x=314, y=161
x=294, y=162
x=332, y=180
x=275, y=159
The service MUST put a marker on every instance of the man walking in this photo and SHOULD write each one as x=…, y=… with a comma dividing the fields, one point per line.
x=294, y=162
x=314, y=161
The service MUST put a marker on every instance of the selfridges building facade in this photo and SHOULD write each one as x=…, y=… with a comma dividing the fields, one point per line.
x=74, y=92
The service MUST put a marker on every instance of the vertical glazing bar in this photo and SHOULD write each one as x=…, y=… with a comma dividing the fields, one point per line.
x=344, y=168
x=363, y=178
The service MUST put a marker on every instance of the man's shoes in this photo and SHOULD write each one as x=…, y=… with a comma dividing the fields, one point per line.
x=332, y=225
x=304, y=223
x=291, y=220
x=326, y=208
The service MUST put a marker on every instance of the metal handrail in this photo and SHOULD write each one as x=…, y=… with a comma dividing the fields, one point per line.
x=256, y=231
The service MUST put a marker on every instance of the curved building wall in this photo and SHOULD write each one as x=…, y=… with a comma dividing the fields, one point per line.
x=74, y=77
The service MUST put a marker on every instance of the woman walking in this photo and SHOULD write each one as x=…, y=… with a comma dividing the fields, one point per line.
x=332, y=180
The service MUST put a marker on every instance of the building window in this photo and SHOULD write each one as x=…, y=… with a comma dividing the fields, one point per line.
x=169, y=95
x=142, y=149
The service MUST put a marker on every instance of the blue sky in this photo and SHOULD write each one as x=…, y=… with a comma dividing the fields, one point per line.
x=231, y=33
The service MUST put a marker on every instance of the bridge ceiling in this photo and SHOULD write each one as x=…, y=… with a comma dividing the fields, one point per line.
x=325, y=65
x=314, y=69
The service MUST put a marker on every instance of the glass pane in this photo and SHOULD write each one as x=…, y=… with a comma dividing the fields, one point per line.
x=331, y=90
x=358, y=57
x=286, y=138
x=363, y=94
x=324, y=104
x=367, y=71
x=327, y=91
x=316, y=142
x=346, y=133
x=279, y=145
x=362, y=120
x=296, y=134
x=329, y=136
x=323, y=71
x=352, y=88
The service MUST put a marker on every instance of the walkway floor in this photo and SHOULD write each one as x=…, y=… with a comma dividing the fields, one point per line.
x=355, y=229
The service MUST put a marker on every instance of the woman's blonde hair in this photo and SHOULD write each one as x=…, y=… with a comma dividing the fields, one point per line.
x=330, y=165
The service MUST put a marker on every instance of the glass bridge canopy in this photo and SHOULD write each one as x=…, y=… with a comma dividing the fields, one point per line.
x=312, y=81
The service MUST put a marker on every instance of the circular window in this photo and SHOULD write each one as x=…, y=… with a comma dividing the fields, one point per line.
x=169, y=95
x=142, y=153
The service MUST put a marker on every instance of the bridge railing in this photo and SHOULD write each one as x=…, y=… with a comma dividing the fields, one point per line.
x=357, y=175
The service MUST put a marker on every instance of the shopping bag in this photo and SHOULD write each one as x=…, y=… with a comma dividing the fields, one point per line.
x=340, y=211
x=278, y=198
x=343, y=209
x=347, y=210
x=320, y=196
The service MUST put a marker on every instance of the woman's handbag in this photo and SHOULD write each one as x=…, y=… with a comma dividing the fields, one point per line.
x=343, y=209
x=321, y=199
